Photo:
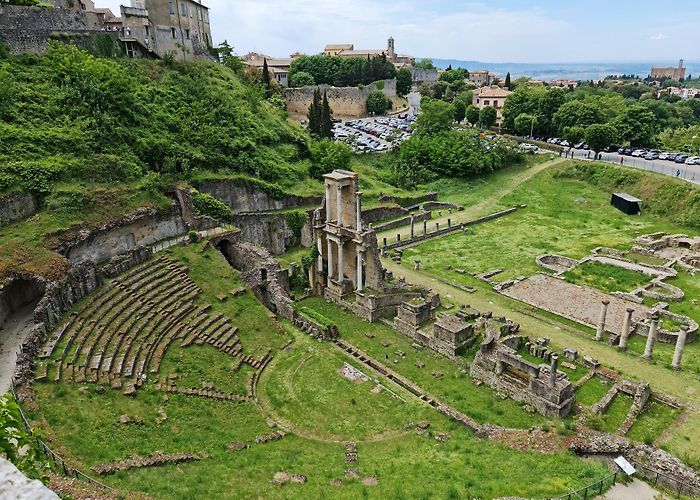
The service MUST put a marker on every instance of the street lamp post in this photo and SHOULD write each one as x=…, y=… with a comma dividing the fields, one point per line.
x=532, y=126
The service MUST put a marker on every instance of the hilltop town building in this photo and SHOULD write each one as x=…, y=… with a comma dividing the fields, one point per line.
x=278, y=67
x=491, y=96
x=659, y=73
x=348, y=50
x=482, y=78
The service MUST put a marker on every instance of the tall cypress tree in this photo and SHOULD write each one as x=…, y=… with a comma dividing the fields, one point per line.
x=266, y=78
x=508, y=81
x=315, y=114
x=326, y=119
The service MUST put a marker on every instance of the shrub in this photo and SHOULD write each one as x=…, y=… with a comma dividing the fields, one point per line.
x=192, y=236
x=206, y=204
x=377, y=103
x=295, y=220
x=17, y=442
x=327, y=155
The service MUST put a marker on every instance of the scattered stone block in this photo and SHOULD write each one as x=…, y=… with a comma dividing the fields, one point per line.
x=543, y=341
x=591, y=362
x=385, y=343
x=130, y=390
x=569, y=366
x=438, y=375
x=571, y=353
x=442, y=437
x=370, y=481
x=401, y=353
x=237, y=292
x=221, y=298
x=125, y=419
x=369, y=335
x=420, y=364
x=377, y=389
x=352, y=474
x=417, y=346
x=237, y=446
x=336, y=482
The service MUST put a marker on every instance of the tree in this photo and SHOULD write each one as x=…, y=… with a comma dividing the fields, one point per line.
x=508, y=84
x=574, y=134
x=454, y=75
x=472, y=114
x=301, y=79
x=524, y=123
x=326, y=130
x=424, y=64
x=460, y=109
x=599, y=136
x=328, y=155
x=435, y=117
x=377, y=103
x=315, y=114
x=488, y=117
x=404, y=82
x=637, y=125
x=266, y=78
x=577, y=113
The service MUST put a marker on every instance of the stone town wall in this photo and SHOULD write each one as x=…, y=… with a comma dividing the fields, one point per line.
x=16, y=207
x=28, y=29
x=142, y=227
x=420, y=75
x=344, y=101
x=241, y=197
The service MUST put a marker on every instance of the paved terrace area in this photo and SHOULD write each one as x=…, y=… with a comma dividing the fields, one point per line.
x=575, y=302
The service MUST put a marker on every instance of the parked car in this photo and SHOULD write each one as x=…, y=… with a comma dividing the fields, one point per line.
x=681, y=158
x=651, y=155
x=693, y=160
x=530, y=148
x=639, y=153
x=580, y=145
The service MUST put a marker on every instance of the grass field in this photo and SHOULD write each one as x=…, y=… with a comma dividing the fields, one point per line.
x=303, y=391
x=606, y=277
x=592, y=391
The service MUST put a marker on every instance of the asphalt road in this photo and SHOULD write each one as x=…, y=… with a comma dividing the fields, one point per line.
x=690, y=173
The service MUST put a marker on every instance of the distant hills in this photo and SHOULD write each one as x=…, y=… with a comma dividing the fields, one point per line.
x=573, y=71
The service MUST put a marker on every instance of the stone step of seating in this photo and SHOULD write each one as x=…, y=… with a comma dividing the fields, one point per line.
x=141, y=267
x=143, y=275
x=56, y=337
x=224, y=340
x=204, y=393
x=215, y=330
x=162, y=347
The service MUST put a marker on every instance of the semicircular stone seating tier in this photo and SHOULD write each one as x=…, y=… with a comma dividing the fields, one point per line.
x=121, y=333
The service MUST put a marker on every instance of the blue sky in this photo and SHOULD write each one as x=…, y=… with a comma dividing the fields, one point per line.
x=493, y=31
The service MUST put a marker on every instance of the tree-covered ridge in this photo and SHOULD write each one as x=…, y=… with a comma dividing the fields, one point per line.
x=340, y=71
x=69, y=115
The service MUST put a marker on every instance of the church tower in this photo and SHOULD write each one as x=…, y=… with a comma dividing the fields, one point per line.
x=391, y=50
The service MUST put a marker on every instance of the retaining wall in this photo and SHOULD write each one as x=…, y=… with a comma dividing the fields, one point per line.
x=17, y=206
x=344, y=101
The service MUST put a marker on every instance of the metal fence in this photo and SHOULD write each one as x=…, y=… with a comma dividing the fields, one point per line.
x=592, y=490
x=673, y=485
x=55, y=458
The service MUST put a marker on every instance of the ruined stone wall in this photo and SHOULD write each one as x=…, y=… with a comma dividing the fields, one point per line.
x=372, y=215
x=16, y=207
x=344, y=101
x=241, y=197
x=141, y=228
x=420, y=75
x=267, y=230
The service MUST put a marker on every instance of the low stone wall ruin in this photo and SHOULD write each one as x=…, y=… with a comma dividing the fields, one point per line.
x=344, y=101
x=17, y=206
x=404, y=221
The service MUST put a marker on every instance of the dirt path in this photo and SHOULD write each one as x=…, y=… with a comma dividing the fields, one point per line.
x=484, y=207
x=12, y=336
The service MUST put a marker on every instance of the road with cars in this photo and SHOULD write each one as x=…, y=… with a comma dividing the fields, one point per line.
x=680, y=170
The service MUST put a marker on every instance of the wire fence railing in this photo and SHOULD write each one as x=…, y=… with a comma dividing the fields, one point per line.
x=58, y=462
x=670, y=483
x=592, y=490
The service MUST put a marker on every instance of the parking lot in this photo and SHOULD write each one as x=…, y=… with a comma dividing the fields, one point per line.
x=376, y=134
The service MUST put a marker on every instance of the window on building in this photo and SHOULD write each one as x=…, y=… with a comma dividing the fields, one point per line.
x=487, y=102
x=206, y=37
x=191, y=11
x=172, y=32
x=199, y=14
x=187, y=34
x=172, y=8
x=183, y=9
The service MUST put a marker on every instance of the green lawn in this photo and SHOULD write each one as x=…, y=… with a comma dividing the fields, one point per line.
x=616, y=413
x=654, y=420
x=606, y=277
x=592, y=391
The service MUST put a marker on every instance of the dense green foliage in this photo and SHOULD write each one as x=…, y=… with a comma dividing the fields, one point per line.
x=404, y=82
x=343, y=71
x=632, y=108
x=685, y=139
x=377, y=103
x=205, y=204
x=17, y=443
x=301, y=79
x=600, y=135
x=72, y=116
x=488, y=117
x=327, y=155
x=320, y=116
x=446, y=154
x=295, y=220
x=436, y=116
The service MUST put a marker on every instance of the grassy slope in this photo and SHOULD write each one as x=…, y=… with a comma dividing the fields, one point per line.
x=302, y=385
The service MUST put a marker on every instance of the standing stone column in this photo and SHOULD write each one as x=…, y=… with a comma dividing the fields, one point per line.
x=320, y=254
x=601, y=322
x=358, y=205
x=449, y=222
x=339, y=204
x=437, y=226
x=360, y=285
x=626, y=325
x=651, y=338
x=553, y=369
x=413, y=219
x=425, y=227
x=328, y=202
x=329, y=247
x=680, y=345
x=340, y=262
